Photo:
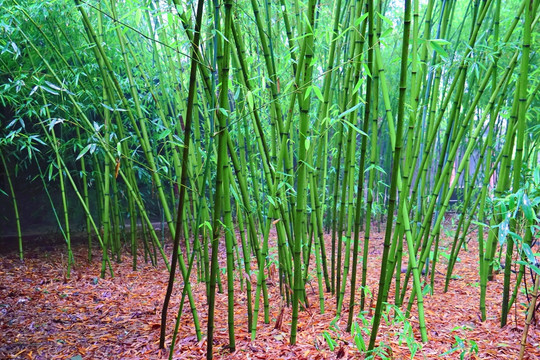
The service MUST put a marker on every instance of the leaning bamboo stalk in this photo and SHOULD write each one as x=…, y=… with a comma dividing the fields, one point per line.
x=183, y=181
x=530, y=314
x=14, y=201
x=350, y=164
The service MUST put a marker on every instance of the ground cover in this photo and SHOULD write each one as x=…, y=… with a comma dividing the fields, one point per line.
x=44, y=315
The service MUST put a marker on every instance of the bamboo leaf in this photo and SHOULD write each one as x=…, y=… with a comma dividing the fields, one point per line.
x=222, y=36
x=526, y=207
x=358, y=339
x=331, y=342
x=54, y=86
x=348, y=111
x=375, y=167
x=359, y=83
x=54, y=121
x=51, y=168
x=308, y=92
x=478, y=223
x=358, y=21
x=84, y=151
x=437, y=45
x=50, y=91
x=164, y=134
x=504, y=229
x=386, y=20
x=366, y=69
x=354, y=127
x=223, y=111
x=249, y=98
x=318, y=92
x=530, y=256
x=34, y=89
x=533, y=267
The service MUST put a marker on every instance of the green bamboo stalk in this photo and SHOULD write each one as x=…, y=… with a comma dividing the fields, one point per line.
x=299, y=234
x=14, y=201
x=520, y=140
x=183, y=181
x=393, y=191
x=221, y=180
x=360, y=184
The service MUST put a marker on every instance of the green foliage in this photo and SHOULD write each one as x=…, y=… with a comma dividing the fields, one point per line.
x=463, y=347
x=523, y=204
x=400, y=327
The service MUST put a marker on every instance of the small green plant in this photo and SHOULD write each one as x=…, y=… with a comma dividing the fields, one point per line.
x=361, y=328
x=407, y=334
x=329, y=340
x=463, y=346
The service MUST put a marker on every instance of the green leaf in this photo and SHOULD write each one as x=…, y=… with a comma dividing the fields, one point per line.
x=375, y=167
x=51, y=167
x=386, y=20
x=223, y=111
x=207, y=225
x=359, y=83
x=536, y=176
x=318, y=93
x=54, y=121
x=34, y=89
x=348, y=111
x=529, y=265
x=308, y=92
x=331, y=342
x=479, y=223
x=366, y=69
x=164, y=134
x=249, y=98
x=271, y=201
x=84, y=151
x=354, y=128
x=307, y=143
x=358, y=338
x=50, y=91
x=360, y=19
x=438, y=49
x=53, y=86
x=504, y=229
x=221, y=34
x=527, y=208
x=515, y=236
x=530, y=256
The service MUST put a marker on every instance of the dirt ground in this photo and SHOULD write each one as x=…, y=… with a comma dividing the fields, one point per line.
x=45, y=315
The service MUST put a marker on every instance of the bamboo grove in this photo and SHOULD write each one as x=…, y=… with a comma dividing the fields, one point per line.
x=255, y=128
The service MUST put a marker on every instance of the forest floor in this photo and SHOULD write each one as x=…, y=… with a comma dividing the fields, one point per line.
x=44, y=315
